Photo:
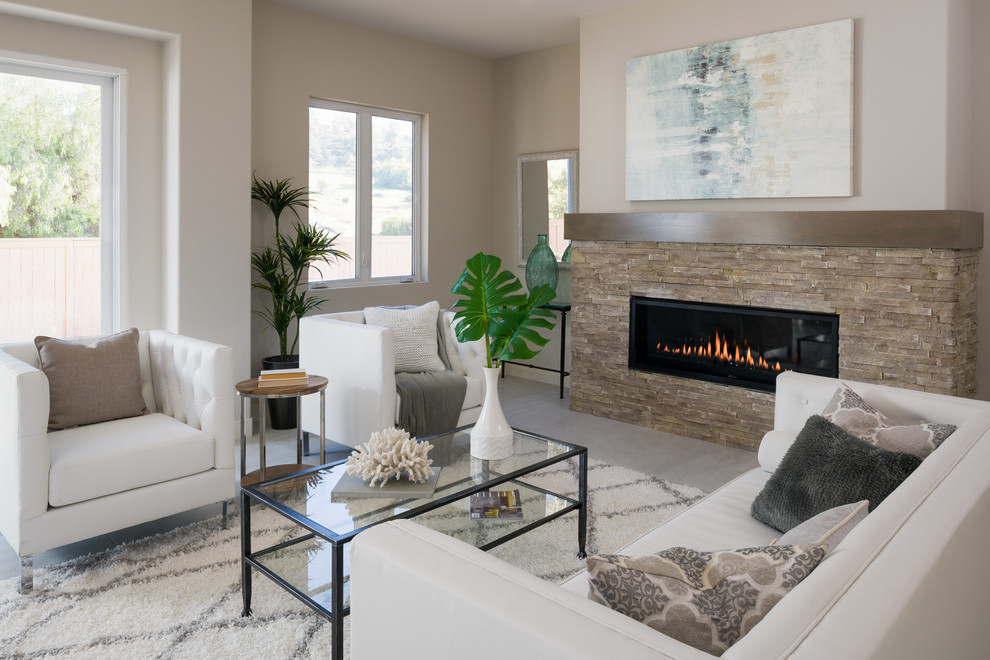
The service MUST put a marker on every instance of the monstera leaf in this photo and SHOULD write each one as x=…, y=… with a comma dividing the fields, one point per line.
x=492, y=307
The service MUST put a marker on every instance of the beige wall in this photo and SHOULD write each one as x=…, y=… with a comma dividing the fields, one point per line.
x=299, y=55
x=188, y=151
x=908, y=136
x=920, y=95
x=536, y=111
x=980, y=118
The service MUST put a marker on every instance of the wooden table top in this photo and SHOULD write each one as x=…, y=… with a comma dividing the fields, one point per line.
x=250, y=387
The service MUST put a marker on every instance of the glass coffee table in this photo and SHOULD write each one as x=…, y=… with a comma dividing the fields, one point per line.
x=312, y=565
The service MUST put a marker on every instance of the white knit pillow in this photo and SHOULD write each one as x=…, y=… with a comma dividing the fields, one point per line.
x=415, y=334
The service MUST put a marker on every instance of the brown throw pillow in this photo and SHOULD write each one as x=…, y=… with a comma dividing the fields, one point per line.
x=94, y=383
x=708, y=600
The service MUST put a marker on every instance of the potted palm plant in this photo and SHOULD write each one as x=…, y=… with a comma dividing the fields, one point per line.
x=280, y=269
x=492, y=308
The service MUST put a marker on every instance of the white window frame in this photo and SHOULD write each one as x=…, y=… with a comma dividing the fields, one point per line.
x=111, y=81
x=362, y=239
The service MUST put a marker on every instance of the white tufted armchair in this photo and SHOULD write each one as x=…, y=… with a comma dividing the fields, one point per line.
x=64, y=486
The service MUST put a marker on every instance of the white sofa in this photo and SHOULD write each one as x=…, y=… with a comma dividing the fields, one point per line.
x=359, y=361
x=910, y=581
x=64, y=486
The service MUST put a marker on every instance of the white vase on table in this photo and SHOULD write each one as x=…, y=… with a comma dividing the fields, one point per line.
x=491, y=437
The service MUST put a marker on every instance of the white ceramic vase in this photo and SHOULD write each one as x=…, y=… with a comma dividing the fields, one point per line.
x=491, y=437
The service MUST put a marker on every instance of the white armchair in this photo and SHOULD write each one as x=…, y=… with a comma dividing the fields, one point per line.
x=359, y=361
x=64, y=486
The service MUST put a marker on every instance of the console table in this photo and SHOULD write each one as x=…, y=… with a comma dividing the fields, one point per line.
x=562, y=309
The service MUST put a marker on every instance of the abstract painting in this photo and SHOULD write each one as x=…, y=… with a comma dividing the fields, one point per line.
x=764, y=116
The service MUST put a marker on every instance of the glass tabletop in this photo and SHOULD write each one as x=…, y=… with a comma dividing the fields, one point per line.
x=309, y=497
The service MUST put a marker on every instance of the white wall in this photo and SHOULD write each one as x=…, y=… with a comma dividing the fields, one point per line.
x=536, y=111
x=187, y=254
x=299, y=55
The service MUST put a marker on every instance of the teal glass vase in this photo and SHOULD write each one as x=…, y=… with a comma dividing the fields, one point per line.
x=566, y=258
x=541, y=267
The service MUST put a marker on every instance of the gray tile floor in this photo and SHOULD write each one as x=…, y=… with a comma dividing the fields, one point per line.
x=528, y=405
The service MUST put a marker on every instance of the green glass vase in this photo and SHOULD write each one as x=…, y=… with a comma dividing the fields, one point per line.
x=541, y=267
x=566, y=259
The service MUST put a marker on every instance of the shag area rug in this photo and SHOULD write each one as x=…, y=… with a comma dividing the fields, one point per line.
x=177, y=595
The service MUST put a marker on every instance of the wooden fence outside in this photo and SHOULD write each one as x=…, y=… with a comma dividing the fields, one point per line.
x=49, y=286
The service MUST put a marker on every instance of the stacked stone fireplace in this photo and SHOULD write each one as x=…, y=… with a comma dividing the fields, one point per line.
x=903, y=285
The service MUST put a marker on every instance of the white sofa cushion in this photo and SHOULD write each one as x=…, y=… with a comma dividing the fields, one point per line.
x=714, y=523
x=111, y=457
x=828, y=527
x=414, y=332
x=475, y=394
x=470, y=355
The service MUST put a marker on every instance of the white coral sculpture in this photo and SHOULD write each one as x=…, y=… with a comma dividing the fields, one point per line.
x=388, y=454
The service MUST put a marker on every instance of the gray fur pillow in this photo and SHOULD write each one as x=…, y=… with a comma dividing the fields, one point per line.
x=825, y=468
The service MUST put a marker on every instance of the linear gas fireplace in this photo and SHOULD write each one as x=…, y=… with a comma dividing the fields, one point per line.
x=744, y=346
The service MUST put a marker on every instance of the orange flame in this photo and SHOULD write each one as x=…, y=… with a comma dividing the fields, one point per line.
x=722, y=352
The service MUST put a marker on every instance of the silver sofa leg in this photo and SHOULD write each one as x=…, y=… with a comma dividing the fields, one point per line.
x=27, y=574
x=223, y=515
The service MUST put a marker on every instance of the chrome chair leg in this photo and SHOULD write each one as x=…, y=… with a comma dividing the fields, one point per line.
x=27, y=575
x=223, y=515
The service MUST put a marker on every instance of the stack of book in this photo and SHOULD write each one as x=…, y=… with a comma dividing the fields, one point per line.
x=282, y=377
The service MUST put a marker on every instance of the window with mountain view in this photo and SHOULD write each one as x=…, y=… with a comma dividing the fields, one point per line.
x=364, y=169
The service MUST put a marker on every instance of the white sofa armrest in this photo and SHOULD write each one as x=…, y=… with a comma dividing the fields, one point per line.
x=486, y=608
x=194, y=383
x=358, y=360
x=24, y=454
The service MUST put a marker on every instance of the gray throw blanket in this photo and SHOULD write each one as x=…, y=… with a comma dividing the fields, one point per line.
x=429, y=402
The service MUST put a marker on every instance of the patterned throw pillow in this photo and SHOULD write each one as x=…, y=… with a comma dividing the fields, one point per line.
x=848, y=410
x=708, y=600
x=414, y=332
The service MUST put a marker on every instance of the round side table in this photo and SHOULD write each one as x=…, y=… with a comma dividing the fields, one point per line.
x=249, y=389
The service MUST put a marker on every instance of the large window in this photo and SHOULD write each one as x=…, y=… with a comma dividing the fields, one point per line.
x=365, y=168
x=58, y=164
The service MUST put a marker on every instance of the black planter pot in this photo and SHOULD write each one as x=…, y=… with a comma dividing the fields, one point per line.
x=282, y=411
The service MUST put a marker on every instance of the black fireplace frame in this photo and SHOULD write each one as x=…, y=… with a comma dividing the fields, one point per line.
x=637, y=304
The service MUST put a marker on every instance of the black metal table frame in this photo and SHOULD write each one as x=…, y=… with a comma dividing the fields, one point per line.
x=562, y=309
x=337, y=610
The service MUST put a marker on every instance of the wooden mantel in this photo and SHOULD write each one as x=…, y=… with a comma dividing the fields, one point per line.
x=958, y=230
